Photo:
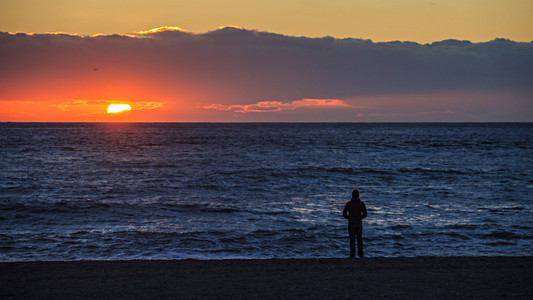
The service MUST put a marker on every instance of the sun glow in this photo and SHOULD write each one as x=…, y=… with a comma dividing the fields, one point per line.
x=116, y=108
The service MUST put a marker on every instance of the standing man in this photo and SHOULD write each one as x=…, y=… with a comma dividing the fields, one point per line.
x=355, y=212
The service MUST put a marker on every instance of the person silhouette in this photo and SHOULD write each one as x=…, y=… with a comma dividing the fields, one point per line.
x=355, y=212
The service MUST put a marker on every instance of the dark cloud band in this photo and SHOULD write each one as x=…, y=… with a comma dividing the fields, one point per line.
x=234, y=66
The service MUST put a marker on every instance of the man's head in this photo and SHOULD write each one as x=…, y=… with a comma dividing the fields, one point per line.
x=355, y=195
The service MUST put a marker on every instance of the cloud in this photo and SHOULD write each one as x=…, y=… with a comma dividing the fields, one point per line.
x=273, y=106
x=161, y=29
x=65, y=106
x=233, y=69
x=147, y=105
x=138, y=105
x=162, y=32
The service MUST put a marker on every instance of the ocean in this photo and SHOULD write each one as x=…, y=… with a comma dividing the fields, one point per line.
x=120, y=191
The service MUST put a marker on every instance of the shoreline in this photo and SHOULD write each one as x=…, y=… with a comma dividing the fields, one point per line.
x=318, y=278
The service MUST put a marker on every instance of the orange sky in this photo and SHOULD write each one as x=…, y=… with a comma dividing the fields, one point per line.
x=233, y=74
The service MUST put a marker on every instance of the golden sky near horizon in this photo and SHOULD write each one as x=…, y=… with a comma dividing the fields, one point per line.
x=421, y=21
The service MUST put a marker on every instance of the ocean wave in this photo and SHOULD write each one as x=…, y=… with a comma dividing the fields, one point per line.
x=501, y=243
x=39, y=207
x=525, y=227
x=502, y=235
x=463, y=226
x=400, y=227
x=458, y=235
x=432, y=171
x=382, y=171
x=202, y=207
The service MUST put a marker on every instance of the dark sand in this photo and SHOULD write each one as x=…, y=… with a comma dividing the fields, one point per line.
x=369, y=278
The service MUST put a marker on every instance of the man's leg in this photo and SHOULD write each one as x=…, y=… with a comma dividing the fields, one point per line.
x=360, y=241
x=352, y=233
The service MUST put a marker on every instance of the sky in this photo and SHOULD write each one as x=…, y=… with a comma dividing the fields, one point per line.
x=266, y=61
x=422, y=21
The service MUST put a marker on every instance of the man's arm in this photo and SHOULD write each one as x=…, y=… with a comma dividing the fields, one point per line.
x=345, y=211
x=364, y=214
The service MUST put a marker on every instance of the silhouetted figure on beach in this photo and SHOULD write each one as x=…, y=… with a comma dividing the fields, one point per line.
x=355, y=212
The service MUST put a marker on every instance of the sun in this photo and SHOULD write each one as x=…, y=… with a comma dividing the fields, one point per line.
x=116, y=108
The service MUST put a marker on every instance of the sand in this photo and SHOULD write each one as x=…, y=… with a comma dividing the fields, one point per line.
x=331, y=278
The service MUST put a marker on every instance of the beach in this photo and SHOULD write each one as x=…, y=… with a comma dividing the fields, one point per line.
x=326, y=278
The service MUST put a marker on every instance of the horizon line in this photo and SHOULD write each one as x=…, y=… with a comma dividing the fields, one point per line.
x=277, y=122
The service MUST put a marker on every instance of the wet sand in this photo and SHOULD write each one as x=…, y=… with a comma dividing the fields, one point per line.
x=369, y=278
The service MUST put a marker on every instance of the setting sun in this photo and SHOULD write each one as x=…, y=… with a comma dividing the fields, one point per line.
x=116, y=108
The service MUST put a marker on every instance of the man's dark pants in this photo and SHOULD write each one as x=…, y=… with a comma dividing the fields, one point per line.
x=354, y=230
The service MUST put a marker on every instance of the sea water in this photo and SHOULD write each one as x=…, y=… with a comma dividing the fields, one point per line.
x=216, y=191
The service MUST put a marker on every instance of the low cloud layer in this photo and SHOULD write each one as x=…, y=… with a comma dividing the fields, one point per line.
x=234, y=70
x=273, y=106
